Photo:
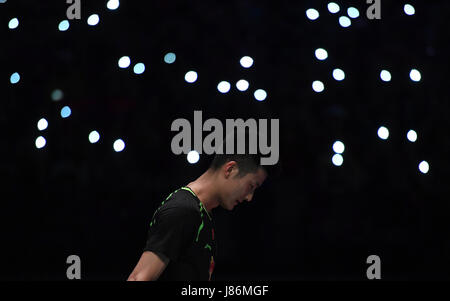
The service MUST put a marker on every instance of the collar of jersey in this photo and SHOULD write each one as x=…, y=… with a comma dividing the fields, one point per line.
x=193, y=193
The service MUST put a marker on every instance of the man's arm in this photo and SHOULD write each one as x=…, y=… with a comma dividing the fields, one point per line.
x=149, y=267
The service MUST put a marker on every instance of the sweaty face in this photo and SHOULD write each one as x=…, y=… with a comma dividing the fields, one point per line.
x=239, y=189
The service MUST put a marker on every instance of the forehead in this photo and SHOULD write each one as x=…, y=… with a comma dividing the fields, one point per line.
x=259, y=176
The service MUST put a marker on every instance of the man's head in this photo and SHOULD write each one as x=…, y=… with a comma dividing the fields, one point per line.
x=237, y=178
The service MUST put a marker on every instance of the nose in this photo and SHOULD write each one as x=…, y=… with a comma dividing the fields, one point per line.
x=249, y=197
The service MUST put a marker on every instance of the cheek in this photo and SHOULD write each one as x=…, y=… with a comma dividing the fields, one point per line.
x=236, y=191
x=233, y=191
x=245, y=190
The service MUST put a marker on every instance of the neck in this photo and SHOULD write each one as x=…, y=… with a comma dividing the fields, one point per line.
x=205, y=189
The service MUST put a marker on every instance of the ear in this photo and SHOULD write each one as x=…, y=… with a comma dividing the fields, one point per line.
x=228, y=168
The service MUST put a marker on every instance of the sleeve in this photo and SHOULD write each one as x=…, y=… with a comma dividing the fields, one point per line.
x=172, y=230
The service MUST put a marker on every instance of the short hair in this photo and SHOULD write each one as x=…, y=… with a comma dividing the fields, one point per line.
x=248, y=162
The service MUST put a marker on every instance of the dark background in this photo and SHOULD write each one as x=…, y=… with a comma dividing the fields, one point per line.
x=315, y=221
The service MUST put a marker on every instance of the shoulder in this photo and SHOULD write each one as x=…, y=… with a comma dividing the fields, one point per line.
x=180, y=204
x=182, y=199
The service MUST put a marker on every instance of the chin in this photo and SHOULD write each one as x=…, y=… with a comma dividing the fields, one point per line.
x=227, y=207
x=231, y=207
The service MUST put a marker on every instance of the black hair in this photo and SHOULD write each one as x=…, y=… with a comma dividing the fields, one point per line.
x=249, y=162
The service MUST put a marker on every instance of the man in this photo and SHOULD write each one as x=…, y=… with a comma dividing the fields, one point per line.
x=181, y=243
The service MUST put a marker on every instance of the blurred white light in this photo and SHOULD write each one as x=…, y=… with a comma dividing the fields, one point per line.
x=190, y=76
x=14, y=79
x=412, y=136
x=112, y=4
x=415, y=75
x=337, y=160
x=193, y=157
x=383, y=133
x=312, y=14
x=94, y=136
x=63, y=25
x=385, y=76
x=242, y=85
x=57, y=95
x=2, y=1
x=42, y=124
x=333, y=7
x=345, y=21
x=353, y=12
x=409, y=9
x=223, y=87
x=246, y=61
x=40, y=142
x=139, y=68
x=169, y=58
x=318, y=86
x=338, y=147
x=13, y=23
x=321, y=54
x=119, y=145
x=93, y=20
x=65, y=112
x=338, y=74
x=124, y=62
x=424, y=167
x=260, y=95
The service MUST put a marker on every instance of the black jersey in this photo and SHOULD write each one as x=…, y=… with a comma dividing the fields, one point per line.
x=182, y=230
